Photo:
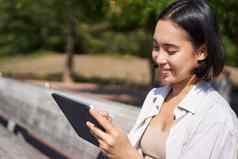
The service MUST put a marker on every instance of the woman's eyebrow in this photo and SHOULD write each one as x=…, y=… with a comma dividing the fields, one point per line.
x=170, y=45
x=166, y=44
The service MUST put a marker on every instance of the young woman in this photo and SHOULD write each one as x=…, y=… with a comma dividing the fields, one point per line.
x=186, y=118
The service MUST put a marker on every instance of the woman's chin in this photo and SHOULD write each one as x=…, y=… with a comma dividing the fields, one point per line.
x=165, y=81
x=162, y=82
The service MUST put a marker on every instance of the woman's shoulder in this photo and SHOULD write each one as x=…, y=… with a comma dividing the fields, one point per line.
x=219, y=110
x=222, y=109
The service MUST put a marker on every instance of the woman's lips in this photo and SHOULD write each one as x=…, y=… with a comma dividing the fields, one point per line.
x=164, y=72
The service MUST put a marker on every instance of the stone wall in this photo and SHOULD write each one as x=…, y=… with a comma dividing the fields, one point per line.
x=33, y=108
x=14, y=147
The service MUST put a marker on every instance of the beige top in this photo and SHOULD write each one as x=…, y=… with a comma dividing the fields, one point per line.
x=153, y=142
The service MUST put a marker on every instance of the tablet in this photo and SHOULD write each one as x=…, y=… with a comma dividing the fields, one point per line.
x=77, y=114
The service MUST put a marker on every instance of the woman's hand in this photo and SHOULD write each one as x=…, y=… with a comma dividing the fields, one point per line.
x=113, y=142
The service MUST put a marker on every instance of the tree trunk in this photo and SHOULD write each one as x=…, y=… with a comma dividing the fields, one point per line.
x=70, y=45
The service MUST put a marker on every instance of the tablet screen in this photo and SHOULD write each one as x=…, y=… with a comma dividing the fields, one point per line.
x=77, y=114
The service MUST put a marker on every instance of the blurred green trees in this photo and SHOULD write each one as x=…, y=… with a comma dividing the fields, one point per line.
x=227, y=13
x=95, y=26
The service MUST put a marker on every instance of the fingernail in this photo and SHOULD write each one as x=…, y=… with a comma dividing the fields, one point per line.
x=91, y=106
x=88, y=123
x=92, y=110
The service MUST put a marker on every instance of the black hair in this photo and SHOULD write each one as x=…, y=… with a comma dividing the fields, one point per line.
x=198, y=20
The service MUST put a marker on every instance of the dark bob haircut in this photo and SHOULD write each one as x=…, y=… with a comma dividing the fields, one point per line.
x=197, y=19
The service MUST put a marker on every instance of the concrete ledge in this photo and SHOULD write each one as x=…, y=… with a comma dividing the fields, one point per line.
x=33, y=108
x=14, y=147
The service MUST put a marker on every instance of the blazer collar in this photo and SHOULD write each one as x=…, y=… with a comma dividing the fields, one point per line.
x=192, y=102
x=157, y=99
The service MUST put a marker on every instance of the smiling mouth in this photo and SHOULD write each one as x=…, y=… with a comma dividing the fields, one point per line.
x=164, y=71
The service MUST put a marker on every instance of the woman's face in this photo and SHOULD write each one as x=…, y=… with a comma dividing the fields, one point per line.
x=173, y=52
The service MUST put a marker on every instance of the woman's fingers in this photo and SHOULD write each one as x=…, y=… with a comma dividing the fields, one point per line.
x=105, y=148
x=113, y=141
x=102, y=138
x=98, y=133
x=103, y=121
x=105, y=114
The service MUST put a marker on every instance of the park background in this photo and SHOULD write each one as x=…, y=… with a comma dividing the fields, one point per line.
x=97, y=48
x=95, y=41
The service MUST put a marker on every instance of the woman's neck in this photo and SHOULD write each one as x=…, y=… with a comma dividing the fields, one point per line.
x=183, y=87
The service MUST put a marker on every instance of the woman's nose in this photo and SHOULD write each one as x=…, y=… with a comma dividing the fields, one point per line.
x=159, y=57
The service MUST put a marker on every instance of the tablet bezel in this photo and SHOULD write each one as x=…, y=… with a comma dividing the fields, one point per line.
x=77, y=113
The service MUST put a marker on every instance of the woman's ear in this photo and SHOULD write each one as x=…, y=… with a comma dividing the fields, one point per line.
x=201, y=53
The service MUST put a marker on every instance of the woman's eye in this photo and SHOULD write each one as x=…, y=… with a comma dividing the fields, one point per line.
x=171, y=52
x=156, y=48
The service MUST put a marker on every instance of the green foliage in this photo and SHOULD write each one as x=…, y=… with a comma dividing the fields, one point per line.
x=15, y=22
x=135, y=43
x=131, y=14
x=28, y=25
x=227, y=12
x=230, y=51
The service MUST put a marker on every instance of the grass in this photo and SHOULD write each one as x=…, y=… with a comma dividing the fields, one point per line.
x=104, y=68
x=99, y=68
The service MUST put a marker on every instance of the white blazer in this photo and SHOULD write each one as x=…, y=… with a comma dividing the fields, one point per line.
x=206, y=127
